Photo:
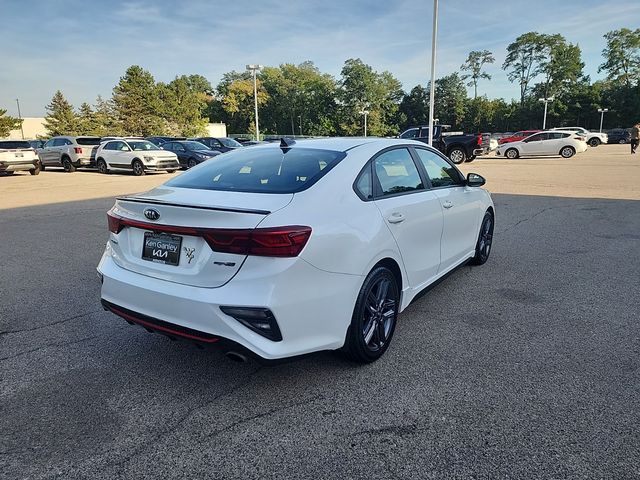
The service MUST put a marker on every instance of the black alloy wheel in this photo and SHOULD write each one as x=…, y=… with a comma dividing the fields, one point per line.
x=102, y=166
x=67, y=165
x=138, y=168
x=485, y=240
x=374, y=317
x=192, y=163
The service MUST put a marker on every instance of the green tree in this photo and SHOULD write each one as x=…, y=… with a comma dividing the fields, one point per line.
x=183, y=106
x=238, y=104
x=86, y=120
x=60, y=119
x=622, y=56
x=8, y=123
x=415, y=107
x=523, y=61
x=561, y=66
x=105, y=120
x=137, y=103
x=379, y=93
x=450, y=100
x=473, y=64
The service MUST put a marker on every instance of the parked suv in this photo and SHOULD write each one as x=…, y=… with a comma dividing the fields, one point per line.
x=69, y=152
x=17, y=155
x=135, y=155
x=593, y=138
x=619, y=135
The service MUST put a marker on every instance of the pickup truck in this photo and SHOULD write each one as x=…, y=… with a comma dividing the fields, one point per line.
x=457, y=146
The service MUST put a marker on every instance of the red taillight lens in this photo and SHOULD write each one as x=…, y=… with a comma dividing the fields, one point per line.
x=114, y=223
x=77, y=149
x=265, y=242
x=479, y=140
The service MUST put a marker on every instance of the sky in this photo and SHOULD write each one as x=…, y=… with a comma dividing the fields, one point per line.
x=83, y=47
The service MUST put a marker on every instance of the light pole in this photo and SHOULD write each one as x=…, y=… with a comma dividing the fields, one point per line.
x=300, y=119
x=254, y=68
x=22, y=129
x=602, y=110
x=545, y=101
x=365, y=113
x=434, y=36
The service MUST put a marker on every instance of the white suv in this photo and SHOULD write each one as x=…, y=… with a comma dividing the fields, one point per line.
x=69, y=152
x=593, y=138
x=136, y=155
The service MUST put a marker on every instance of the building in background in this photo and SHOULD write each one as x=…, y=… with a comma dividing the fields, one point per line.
x=33, y=128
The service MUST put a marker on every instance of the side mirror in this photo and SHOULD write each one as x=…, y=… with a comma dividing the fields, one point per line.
x=475, y=180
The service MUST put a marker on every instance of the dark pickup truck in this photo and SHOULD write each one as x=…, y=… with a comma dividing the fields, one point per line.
x=459, y=148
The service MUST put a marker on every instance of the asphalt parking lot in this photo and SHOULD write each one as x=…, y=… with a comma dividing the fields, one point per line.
x=526, y=367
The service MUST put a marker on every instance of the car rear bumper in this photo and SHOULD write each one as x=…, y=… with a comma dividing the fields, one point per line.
x=312, y=307
x=18, y=165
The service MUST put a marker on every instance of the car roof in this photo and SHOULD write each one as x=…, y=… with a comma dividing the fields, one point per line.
x=343, y=144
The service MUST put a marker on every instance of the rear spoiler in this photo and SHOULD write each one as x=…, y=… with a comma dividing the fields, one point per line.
x=200, y=207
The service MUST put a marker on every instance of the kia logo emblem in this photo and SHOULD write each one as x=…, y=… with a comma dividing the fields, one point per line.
x=151, y=213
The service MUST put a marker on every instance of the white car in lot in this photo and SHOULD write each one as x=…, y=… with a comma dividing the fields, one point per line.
x=593, y=138
x=549, y=143
x=135, y=155
x=18, y=155
x=286, y=249
x=69, y=152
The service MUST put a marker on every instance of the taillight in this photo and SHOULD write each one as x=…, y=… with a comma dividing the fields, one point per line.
x=265, y=242
x=77, y=149
x=114, y=223
x=479, y=140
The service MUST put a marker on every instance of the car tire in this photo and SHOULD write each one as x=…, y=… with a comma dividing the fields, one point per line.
x=567, y=152
x=485, y=240
x=470, y=159
x=138, y=168
x=41, y=167
x=374, y=317
x=191, y=163
x=457, y=155
x=35, y=171
x=102, y=166
x=594, y=142
x=622, y=141
x=171, y=171
x=512, y=153
x=9, y=173
x=67, y=165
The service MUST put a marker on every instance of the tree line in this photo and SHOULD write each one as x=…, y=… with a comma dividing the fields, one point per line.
x=302, y=100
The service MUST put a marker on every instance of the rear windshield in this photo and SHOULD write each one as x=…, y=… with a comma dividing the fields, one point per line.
x=14, y=144
x=88, y=140
x=261, y=170
x=229, y=142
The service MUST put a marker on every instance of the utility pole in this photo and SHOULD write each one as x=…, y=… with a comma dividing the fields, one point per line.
x=544, y=119
x=602, y=110
x=365, y=113
x=434, y=36
x=254, y=68
x=22, y=129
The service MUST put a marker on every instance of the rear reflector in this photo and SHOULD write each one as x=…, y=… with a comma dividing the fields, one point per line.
x=260, y=320
x=77, y=149
x=265, y=242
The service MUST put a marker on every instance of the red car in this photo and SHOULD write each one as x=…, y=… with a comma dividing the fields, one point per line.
x=516, y=137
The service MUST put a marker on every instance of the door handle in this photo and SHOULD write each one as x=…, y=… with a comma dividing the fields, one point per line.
x=396, y=218
x=447, y=204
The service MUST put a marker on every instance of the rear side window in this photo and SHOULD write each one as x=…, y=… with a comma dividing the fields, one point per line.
x=14, y=144
x=261, y=170
x=411, y=133
x=88, y=140
x=396, y=172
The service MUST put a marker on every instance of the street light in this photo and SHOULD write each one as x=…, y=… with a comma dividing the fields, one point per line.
x=300, y=120
x=602, y=110
x=22, y=129
x=365, y=113
x=254, y=68
x=434, y=35
x=545, y=101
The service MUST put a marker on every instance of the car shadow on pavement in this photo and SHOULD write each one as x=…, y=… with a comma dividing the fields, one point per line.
x=524, y=367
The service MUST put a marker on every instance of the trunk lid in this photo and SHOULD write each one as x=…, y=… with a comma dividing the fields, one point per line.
x=197, y=264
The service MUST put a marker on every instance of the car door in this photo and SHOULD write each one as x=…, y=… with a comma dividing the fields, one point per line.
x=461, y=207
x=46, y=154
x=533, y=145
x=181, y=152
x=411, y=211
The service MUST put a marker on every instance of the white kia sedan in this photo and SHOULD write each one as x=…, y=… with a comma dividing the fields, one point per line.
x=135, y=155
x=285, y=249
x=565, y=144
